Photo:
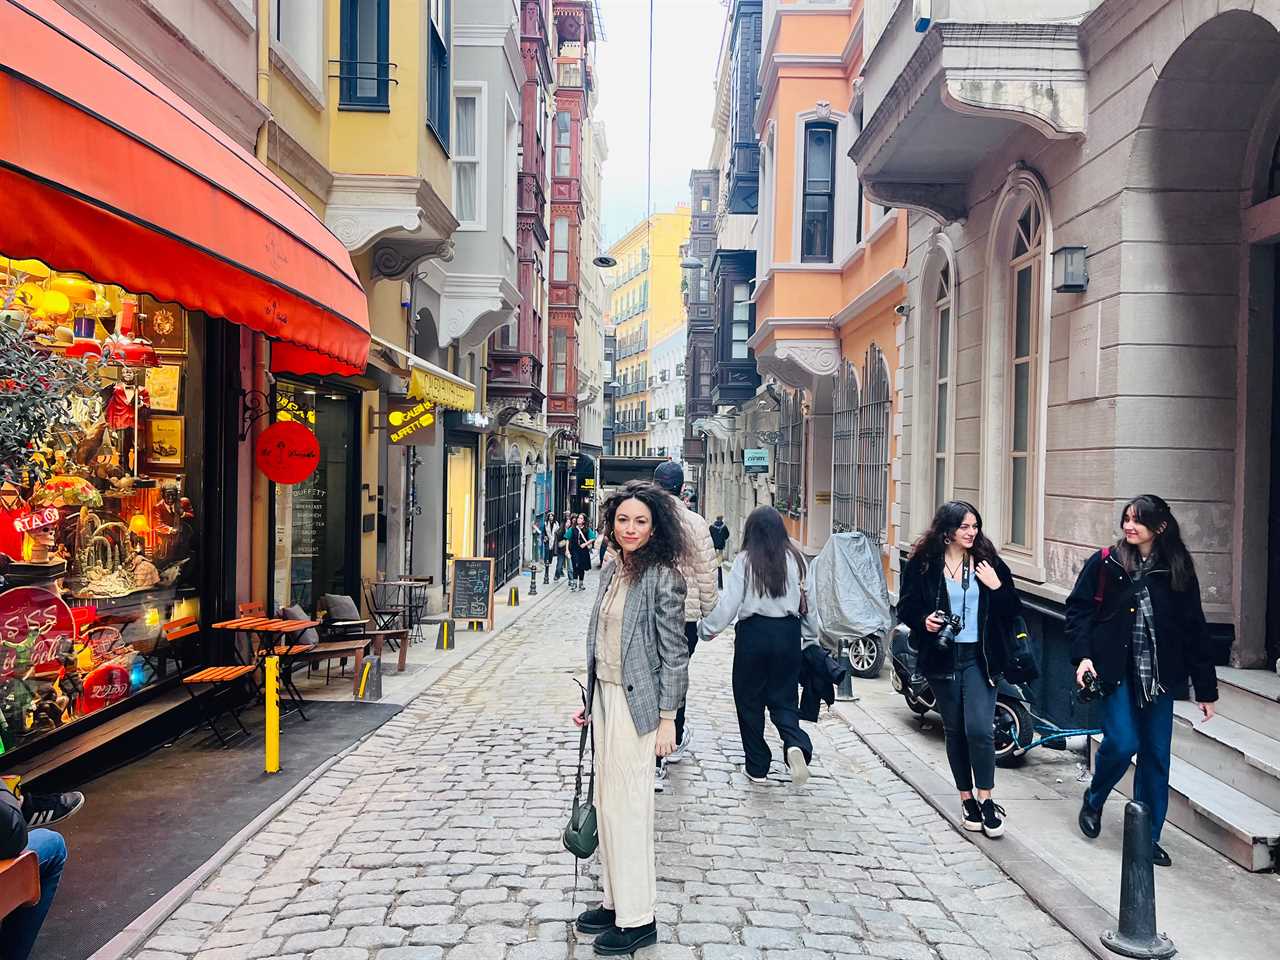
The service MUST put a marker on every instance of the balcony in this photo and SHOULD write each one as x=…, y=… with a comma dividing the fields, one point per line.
x=695, y=449
x=515, y=380
x=937, y=105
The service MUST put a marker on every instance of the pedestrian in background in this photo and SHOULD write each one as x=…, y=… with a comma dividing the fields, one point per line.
x=637, y=673
x=580, y=551
x=765, y=592
x=720, y=540
x=1136, y=625
x=697, y=566
x=564, y=532
x=547, y=530
x=955, y=579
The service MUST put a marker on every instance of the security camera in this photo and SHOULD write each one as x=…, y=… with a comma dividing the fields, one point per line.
x=902, y=309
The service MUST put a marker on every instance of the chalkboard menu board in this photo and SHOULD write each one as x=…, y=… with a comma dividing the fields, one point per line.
x=472, y=597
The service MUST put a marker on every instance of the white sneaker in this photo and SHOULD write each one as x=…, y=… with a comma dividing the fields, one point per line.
x=660, y=778
x=757, y=779
x=797, y=765
x=676, y=755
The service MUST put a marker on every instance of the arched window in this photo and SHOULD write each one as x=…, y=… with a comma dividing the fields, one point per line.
x=844, y=444
x=943, y=392
x=790, y=472
x=872, y=492
x=1026, y=268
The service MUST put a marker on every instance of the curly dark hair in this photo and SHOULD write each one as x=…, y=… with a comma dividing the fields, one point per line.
x=666, y=545
x=933, y=542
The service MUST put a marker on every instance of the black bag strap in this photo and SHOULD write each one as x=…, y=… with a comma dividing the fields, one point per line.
x=582, y=750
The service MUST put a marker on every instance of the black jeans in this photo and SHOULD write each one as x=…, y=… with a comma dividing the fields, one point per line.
x=766, y=673
x=967, y=703
x=691, y=638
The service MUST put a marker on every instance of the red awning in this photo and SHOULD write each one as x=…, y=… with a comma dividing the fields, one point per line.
x=107, y=172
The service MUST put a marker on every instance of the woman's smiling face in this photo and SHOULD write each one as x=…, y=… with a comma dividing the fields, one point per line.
x=632, y=525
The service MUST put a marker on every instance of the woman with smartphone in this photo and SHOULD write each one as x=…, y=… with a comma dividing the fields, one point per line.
x=959, y=600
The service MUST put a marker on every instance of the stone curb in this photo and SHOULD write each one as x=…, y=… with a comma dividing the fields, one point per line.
x=145, y=924
x=1066, y=903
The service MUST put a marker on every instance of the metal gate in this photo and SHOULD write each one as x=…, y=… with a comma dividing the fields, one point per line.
x=502, y=484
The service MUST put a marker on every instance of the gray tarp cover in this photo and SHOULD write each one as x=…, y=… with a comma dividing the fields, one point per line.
x=847, y=589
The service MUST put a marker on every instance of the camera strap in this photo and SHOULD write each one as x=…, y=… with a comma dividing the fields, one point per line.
x=964, y=589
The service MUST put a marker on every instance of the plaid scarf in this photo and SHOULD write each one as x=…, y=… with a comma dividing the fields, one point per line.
x=1143, y=643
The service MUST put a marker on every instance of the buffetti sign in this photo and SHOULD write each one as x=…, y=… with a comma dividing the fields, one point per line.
x=411, y=423
x=755, y=460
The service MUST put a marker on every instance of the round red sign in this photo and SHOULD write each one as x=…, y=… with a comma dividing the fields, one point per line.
x=287, y=452
x=35, y=626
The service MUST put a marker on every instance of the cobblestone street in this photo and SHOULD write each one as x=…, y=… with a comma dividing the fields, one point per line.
x=438, y=837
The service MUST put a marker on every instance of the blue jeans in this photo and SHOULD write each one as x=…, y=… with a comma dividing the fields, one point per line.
x=19, y=929
x=1128, y=730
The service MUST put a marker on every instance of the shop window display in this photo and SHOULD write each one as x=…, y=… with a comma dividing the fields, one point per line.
x=98, y=516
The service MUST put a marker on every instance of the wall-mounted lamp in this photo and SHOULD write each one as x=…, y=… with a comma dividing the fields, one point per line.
x=692, y=263
x=1071, y=268
x=605, y=262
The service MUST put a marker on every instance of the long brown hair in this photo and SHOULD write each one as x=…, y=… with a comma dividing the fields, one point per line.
x=933, y=542
x=767, y=545
x=667, y=542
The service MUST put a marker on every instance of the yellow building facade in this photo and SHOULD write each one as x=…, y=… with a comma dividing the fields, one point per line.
x=646, y=306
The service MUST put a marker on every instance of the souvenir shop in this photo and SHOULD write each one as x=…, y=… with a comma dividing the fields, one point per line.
x=154, y=276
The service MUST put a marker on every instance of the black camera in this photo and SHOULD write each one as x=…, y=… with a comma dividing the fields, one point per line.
x=1091, y=690
x=950, y=627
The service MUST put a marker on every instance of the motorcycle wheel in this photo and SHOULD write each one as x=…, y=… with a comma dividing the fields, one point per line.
x=866, y=657
x=1014, y=728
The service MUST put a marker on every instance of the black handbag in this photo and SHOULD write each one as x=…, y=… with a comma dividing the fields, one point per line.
x=580, y=835
x=1020, y=659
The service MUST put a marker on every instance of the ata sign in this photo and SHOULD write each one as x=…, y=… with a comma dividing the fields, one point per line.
x=287, y=452
x=36, y=519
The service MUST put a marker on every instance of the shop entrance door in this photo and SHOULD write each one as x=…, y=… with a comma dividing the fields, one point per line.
x=315, y=543
x=502, y=518
x=460, y=500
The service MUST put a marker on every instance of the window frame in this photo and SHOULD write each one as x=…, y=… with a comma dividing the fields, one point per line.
x=844, y=437
x=439, y=71
x=874, y=441
x=348, y=51
x=566, y=146
x=478, y=93
x=942, y=439
x=558, y=251
x=789, y=499
x=807, y=194
x=1032, y=263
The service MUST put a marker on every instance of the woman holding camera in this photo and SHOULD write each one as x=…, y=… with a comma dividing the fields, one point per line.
x=637, y=674
x=1137, y=633
x=959, y=600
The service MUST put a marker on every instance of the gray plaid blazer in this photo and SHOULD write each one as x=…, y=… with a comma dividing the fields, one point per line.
x=655, y=654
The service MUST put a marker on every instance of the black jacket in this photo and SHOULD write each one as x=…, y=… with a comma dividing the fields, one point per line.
x=923, y=592
x=13, y=826
x=820, y=674
x=1103, y=633
x=719, y=534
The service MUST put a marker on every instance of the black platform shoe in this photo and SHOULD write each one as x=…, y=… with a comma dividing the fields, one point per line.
x=618, y=942
x=595, y=920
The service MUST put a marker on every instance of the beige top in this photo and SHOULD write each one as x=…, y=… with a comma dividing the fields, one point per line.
x=609, y=638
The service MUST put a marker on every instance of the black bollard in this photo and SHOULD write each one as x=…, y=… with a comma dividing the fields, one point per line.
x=533, y=580
x=1137, y=936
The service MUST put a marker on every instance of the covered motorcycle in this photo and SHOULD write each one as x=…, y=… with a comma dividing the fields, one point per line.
x=850, y=599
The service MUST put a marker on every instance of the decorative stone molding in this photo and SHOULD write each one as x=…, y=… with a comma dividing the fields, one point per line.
x=395, y=259
x=822, y=110
x=800, y=363
x=366, y=208
x=472, y=306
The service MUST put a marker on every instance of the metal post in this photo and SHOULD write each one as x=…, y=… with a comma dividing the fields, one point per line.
x=533, y=580
x=271, y=691
x=1137, y=936
x=845, y=690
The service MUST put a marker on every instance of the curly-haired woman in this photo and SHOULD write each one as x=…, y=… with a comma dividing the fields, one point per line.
x=637, y=674
x=954, y=572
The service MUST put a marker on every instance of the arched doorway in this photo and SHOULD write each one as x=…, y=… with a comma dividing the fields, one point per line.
x=1197, y=315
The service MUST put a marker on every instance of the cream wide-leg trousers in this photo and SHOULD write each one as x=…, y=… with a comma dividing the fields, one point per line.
x=624, y=808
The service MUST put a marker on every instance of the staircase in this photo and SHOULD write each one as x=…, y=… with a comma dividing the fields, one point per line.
x=1224, y=780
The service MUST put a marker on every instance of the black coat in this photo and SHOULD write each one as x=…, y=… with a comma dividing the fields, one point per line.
x=820, y=674
x=719, y=534
x=13, y=826
x=1103, y=633
x=923, y=592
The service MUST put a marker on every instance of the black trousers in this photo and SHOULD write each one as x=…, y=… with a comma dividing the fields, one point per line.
x=968, y=707
x=691, y=638
x=766, y=673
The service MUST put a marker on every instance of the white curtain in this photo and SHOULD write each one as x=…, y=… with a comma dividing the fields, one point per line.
x=466, y=160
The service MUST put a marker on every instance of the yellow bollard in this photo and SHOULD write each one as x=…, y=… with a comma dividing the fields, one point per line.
x=271, y=691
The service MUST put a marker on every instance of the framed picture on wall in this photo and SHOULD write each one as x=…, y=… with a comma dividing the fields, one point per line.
x=163, y=448
x=163, y=324
x=164, y=385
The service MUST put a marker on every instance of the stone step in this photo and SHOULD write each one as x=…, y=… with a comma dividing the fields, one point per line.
x=1236, y=825
x=1228, y=751
x=1250, y=698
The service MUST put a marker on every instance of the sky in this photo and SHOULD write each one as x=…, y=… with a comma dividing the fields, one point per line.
x=686, y=43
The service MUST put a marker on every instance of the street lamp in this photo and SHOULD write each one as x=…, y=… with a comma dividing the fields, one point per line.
x=605, y=262
x=692, y=263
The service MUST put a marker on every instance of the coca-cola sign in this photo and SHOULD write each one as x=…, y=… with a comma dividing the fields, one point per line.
x=36, y=616
x=105, y=685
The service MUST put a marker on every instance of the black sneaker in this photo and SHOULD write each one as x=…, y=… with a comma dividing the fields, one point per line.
x=45, y=809
x=992, y=819
x=972, y=816
x=617, y=942
x=595, y=920
x=1090, y=820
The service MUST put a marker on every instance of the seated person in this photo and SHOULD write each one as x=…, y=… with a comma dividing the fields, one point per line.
x=19, y=929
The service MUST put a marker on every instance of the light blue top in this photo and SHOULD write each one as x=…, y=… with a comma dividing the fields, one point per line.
x=958, y=598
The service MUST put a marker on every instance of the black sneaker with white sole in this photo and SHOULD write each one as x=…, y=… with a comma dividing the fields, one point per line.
x=46, y=809
x=972, y=815
x=992, y=818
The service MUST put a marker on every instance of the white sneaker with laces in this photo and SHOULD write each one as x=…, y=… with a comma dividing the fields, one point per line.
x=798, y=766
x=660, y=778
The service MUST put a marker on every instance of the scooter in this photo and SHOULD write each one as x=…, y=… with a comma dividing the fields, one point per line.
x=1018, y=728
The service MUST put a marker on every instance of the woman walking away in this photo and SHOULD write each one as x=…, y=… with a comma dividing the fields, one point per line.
x=550, y=530
x=580, y=551
x=765, y=592
x=637, y=673
x=959, y=600
x=1137, y=630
